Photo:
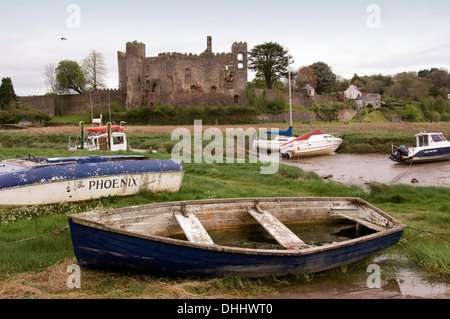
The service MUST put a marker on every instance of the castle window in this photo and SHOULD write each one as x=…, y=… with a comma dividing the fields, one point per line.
x=187, y=75
x=193, y=88
x=240, y=56
x=154, y=88
x=213, y=89
x=236, y=99
x=240, y=65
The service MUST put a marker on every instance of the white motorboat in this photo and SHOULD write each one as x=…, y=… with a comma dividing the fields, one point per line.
x=271, y=143
x=430, y=147
x=311, y=144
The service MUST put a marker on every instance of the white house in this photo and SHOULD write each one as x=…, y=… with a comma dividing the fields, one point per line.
x=352, y=92
x=309, y=90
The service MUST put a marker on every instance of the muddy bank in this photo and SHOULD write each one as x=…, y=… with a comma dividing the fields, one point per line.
x=356, y=169
x=400, y=280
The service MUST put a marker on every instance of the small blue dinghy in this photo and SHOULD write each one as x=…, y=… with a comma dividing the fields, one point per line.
x=40, y=180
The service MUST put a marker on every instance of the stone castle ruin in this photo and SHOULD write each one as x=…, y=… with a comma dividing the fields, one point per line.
x=169, y=79
x=183, y=79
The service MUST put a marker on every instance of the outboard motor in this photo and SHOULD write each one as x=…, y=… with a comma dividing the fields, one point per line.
x=401, y=152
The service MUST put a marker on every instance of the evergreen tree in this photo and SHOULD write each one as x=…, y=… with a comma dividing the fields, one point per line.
x=7, y=94
x=269, y=59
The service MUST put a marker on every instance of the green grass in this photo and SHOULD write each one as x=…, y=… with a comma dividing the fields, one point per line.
x=72, y=119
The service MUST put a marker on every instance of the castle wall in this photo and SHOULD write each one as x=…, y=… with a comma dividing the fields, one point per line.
x=183, y=79
x=74, y=103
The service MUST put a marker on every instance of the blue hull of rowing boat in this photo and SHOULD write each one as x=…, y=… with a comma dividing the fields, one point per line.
x=102, y=249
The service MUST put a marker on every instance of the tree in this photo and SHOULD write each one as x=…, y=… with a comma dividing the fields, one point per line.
x=94, y=69
x=325, y=77
x=271, y=60
x=7, y=94
x=306, y=75
x=69, y=76
x=50, y=77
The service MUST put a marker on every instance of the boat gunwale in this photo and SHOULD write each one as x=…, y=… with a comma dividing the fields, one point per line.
x=398, y=226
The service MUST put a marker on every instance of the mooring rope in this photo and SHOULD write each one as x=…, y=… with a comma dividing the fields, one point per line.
x=419, y=231
x=55, y=233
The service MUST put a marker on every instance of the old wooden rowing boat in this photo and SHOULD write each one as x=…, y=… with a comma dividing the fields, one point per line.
x=250, y=237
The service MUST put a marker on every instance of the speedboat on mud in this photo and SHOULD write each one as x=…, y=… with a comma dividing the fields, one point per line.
x=311, y=144
x=431, y=147
x=272, y=142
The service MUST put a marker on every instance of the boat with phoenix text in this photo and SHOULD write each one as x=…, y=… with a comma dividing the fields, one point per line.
x=41, y=180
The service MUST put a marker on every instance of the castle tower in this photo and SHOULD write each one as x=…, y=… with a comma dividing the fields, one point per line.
x=239, y=51
x=131, y=72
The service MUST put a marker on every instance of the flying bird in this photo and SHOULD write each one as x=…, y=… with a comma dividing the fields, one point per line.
x=62, y=39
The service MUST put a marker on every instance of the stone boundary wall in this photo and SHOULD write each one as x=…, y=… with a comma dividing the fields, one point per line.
x=74, y=103
x=301, y=116
x=326, y=100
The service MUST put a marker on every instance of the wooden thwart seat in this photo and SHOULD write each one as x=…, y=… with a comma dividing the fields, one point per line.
x=360, y=221
x=193, y=228
x=283, y=235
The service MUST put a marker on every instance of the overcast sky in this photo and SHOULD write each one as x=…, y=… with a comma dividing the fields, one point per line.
x=351, y=36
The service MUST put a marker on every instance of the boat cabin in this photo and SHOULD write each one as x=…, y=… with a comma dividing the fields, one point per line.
x=425, y=139
x=117, y=142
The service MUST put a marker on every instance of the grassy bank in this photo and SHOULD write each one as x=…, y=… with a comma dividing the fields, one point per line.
x=37, y=268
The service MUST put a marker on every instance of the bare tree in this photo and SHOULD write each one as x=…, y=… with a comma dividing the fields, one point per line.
x=94, y=70
x=306, y=75
x=50, y=77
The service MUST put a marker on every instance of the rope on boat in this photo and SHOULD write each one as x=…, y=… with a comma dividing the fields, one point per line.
x=419, y=231
x=54, y=233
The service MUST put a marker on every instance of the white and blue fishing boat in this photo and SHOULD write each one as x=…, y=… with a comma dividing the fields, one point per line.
x=430, y=147
x=41, y=180
x=249, y=237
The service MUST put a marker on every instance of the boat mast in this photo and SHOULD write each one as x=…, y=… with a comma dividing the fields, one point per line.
x=290, y=94
x=92, y=111
x=304, y=105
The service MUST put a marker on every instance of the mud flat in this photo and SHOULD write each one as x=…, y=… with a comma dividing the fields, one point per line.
x=404, y=281
x=357, y=169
